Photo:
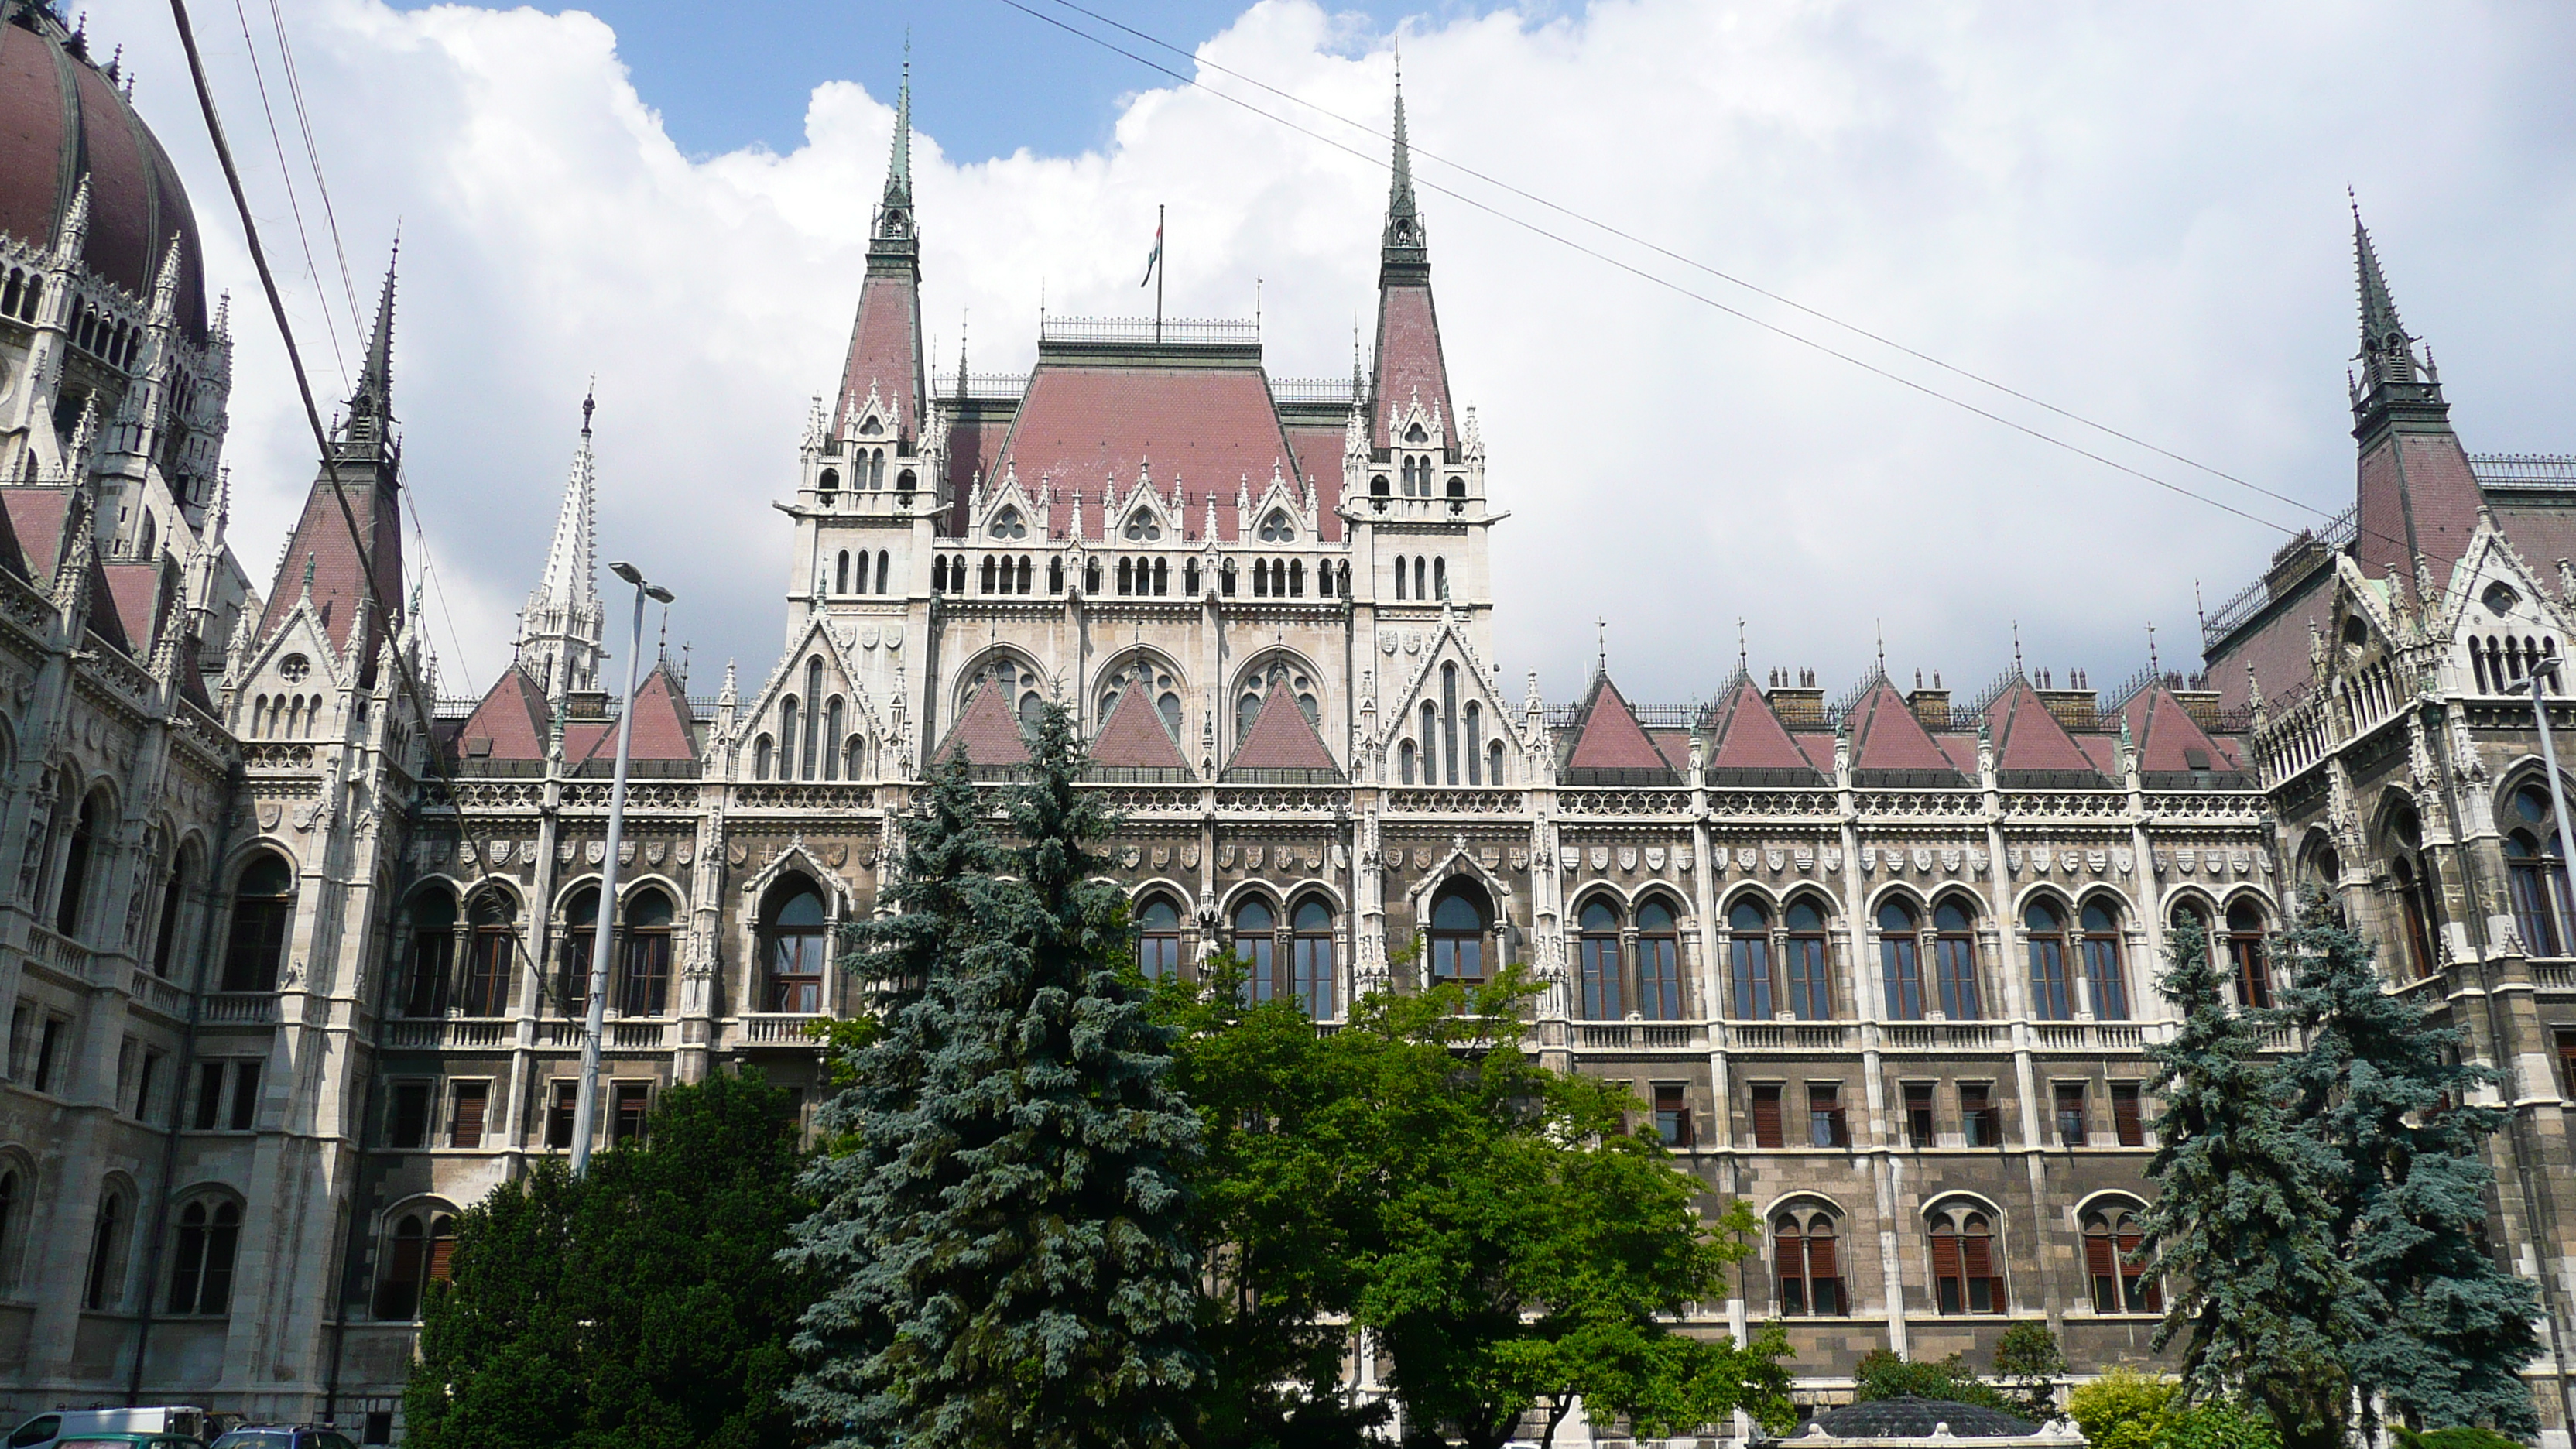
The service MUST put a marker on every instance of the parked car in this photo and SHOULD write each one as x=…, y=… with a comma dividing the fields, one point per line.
x=284, y=1436
x=168, y=1425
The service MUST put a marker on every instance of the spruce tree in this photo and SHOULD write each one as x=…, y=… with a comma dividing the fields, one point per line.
x=2443, y=1330
x=1004, y=1232
x=2243, y=1216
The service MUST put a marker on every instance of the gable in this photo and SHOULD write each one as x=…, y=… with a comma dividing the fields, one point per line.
x=1611, y=747
x=1280, y=740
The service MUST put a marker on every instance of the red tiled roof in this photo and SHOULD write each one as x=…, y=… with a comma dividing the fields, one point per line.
x=12, y=557
x=134, y=592
x=2028, y=738
x=661, y=727
x=1961, y=751
x=987, y=731
x=1818, y=747
x=1082, y=427
x=1318, y=453
x=1609, y=737
x=2103, y=751
x=1281, y=739
x=972, y=448
x=105, y=615
x=513, y=716
x=1889, y=737
x=885, y=352
x=2444, y=494
x=1409, y=363
x=2279, y=650
x=339, y=582
x=1134, y=737
x=2166, y=736
x=36, y=520
x=1749, y=736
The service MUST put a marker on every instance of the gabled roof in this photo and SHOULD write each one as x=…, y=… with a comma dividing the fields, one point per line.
x=36, y=521
x=133, y=594
x=662, y=731
x=2032, y=750
x=1134, y=738
x=1749, y=746
x=1282, y=739
x=512, y=721
x=1890, y=747
x=987, y=731
x=2174, y=752
x=1084, y=426
x=1610, y=747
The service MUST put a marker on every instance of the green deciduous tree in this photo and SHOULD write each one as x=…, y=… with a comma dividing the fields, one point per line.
x=2442, y=1330
x=641, y=1307
x=1880, y=1374
x=2243, y=1218
x=2029, y=1361
x=1002, y=1234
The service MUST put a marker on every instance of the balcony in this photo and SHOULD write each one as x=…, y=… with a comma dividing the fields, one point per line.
x=156, y=995
x=778, y=1029
x=437, y=1033
x=1640, y=1035
x=1809, y=1036
x=66, y=956
x=1945, y=1035
x=240, y=1008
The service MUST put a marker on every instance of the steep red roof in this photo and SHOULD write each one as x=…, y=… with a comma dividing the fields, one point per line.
x=1749, y=745
x=972, y=449
x=1609, y=739
x=2103, y=751
x=36, y=518
x=1818, y=747
x=1409, y=363
x=513, y=717
x=2442, y=491
x=1318, y=453
x=885, y=353
x=987, y=731
x=134, y=592
x=1961, y=750
x=2172, y=747
x=339, y=579
x=12, y=557
x=1134, y=738
x=1887, y=737
x=1087, y=427
x=2031, y=747
x=661, y=726
x=106, y=615
x=1281, y=739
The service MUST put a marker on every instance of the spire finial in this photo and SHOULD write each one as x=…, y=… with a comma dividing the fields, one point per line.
x=1602, y=664
x=589, y=401
x=2016, y=628
x=1881, y=626
x=1743, y=651
x=894, y=209
x=2153, y=667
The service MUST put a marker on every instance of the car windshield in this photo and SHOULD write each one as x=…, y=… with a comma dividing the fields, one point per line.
x=257, y=1439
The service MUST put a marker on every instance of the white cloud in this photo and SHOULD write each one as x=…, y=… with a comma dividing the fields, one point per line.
x=2132, y=211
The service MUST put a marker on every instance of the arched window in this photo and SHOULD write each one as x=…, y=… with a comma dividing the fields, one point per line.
x=2535, y=860
x=787, y=738
x=2418, y=919
x=881, y=570
x=1659, y=963
x=1404, y=762
x=1748, y=952
x=1377, y=486
x=1602, y=998
x=1954, y=956
x=433, y=953
x=1421, y=581
x=1399, y=579
x=813, y=691
x=86, y=826
x=862, y=580
x=2102, y=970
x=760, y=758
x=1190, y=577
x=1900, y=960
x=792, y=946
x=984, y=576
x=2112, y=1244
x=1158, y=939
x=644, y=985
x=1457, y=487
x=1430, y=743
x=174, y=901
x=487, y=958
x=1342, y=578
x=1966, y=1275
x=1458, y=936
x=419, y=1251
x=939, y=575
x=1811, y=992
x=1475, y=743
x=2245, y=954
x=1142, y=527
x=2051, y=998
x=1225, y=578
x=1494, y=762
x=833, y=726
x=841, y=576
x=1126, y=576
x=1055, y=575
x=1009, y=524
x=9, y=1197
x=104, y=1283
x=263, y=908
x=201, y=1271
x=1310, y=966
x=1805, y=1264
x=1439, y=578
x=1024, y=576
x=1260, y=578
x=580, y=943
x=1257, y=949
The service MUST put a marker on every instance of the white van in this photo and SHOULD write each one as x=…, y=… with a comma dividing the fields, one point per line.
x=56, y=1426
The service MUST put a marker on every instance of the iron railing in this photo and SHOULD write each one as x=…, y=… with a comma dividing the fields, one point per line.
x=1167, y=331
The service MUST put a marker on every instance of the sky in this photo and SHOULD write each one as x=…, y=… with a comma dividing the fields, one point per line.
x=2134, y=214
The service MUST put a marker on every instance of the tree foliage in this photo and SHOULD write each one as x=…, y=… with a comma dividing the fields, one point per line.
x=641, y=1306
x=2124, y=1409
x=1002, y=1232
x=1880, y=1374
x=1494, y=1226
x=2029, y=1361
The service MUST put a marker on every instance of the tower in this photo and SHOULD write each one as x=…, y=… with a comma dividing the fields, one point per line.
x=2418, y=497
x=563, y=626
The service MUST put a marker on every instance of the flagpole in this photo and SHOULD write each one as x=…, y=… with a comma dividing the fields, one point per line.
x=1159, y=270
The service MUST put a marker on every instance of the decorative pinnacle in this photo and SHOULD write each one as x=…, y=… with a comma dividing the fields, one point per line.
x=2378, y=309
x=589, y=401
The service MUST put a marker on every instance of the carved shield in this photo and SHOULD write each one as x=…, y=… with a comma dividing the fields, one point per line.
x=1491, y=856
x=687, y=851
x=2042, y=860
x=1252, y=857
x=1422, y=857
x=1655, y=857
x=2095, y=860
x=660, y=850
x=1868, y=859
x=1520, y=857
x=2263, y=859
x=1833, y=862
x=1775, y=859
x=2124, y=861
x=1628, y=859
x=1922, y=860
x=1568, y=857
x=1746, y=857
x=2072, y=862
x=838, y=855
x=2239, y=863
x=1190, y=856
x=1600, y=857
x=499, y=850
x=738, y=853
x=2187, y=860
x=1315, y=857
x=626, y=852
x=1162, y=856
x=1951, y=859
x=1682, y=858
x=269, y=815
x=1225, y=857
x=2012, y=861
x=1978, y=861
x=1805, y=859
x=563, y=852
x=594, y=851
x=1130, y=856
x=1341, y=856
x=868, y=637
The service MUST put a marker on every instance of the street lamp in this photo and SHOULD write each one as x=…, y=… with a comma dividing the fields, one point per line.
x=595, y=1014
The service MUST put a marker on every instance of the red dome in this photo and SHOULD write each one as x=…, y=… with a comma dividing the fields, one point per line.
x=60, y=118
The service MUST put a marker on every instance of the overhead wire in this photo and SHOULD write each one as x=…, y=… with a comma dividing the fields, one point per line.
x=1704, y=299
x=313, y=154
x=295, y=208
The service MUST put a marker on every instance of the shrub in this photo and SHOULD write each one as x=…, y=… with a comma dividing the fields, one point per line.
x=2125, y=1409
x=1882, y=1375
x=2219, y=1425
x=2456, y=1439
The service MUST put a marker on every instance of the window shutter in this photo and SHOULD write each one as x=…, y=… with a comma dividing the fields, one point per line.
x=2124, y=1115
x=1945, y=1254
x=2099, y=1259
x=1821, y=1262
x=1766, y=1116
x=1980, y=1255
x=441, y=1252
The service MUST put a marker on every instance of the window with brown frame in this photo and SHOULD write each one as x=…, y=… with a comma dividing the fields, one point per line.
x=409, y=1128
x=562, y=1112
x=1964, y=1272
x=465, y=1114
x=632, y=1101
x=1827, y=1126
x=2070, y=1114
x=2128, y=1122
x=2245, y=954
x=1918, y=1114
x=1979, y=1118
x=1672, y=1114
x=1766, y=1114
x=1806, y=1266
x=2120, y=1283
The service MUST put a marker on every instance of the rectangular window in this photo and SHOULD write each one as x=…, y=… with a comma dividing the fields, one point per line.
x=1766, y=1114
x=1826, y=1125
x=1980, y=1119
x=2070, y=1114
x=125, y=1062
x=210, y=1097
x=49, y=1051
x=465, y=1114
x=22, y=1039
x=1672, y=1114
x=1810, y=990
x=2567, y=1062
x=245, y=1096
x=2126, y=1120
x=1918, y=1113
x=631, y=1099
x=560, y=1114
x=2049, y=998
x=1751, y=954
x=1903, y=968
x=409, y=1128
x=144, y=1083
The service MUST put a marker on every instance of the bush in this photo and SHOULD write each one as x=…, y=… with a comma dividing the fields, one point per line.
x=2456, y=1439
x=2029, y=1361
x=2125, y=1409
x=2219, y=1425
x=1882, y=1375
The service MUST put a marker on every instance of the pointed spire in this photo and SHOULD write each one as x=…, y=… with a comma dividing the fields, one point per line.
x=2379, y=324
x=74, y=233
x=894, y=209
x=1405, y=242
x=371, y=406
x=566, y=622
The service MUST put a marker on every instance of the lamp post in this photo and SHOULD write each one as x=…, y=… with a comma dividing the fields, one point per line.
x=604, y=937
x=2548, y=666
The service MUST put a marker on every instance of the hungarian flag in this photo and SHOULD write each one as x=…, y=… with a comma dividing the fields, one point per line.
x=1154, y=259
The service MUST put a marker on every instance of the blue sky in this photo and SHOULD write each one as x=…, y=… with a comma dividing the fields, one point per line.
x=998, y=80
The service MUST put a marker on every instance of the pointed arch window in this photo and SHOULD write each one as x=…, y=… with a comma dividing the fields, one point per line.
x=1954, y=956
x=644, y=975
x=1162, y=575
x=1965, y=1274
x=174, y=901
x=2051, y=997
x=1430, y=743
x=487, y=956
x=984, y=576
x=1900, y=960
x=1126, y=576
x=792, y=947
x=263, y=909
x=1258, y=949
x=86, y=828
x=2245, y=955
x=1439, y=578
x=1806, y=1264
x=806, y=746
x=433, y=953
x=1599, y=946
x=787, y=737
x=1811, y=992
x=1311, y=976
x=1055, y=575
x=1404, y=762
x=201, y=1273
x=1158, y=939
x=2412, y=905
x=939, y=574
x=1476, y=744
x=573, y=958
x=2103, y=971
x=1748, y=952
x=2113, y=1245
x=881, y=570
x=1457, y=936
x=841, y=574
x=1494, y=762
x=1190, y=578
x=1399, y=579
x=417, y=1252
x=833, y=727
x=862, y=574
x=760, y=750
x=1421, y=579
x=2535, y=863
x=104, y=1283
x=1659, y=963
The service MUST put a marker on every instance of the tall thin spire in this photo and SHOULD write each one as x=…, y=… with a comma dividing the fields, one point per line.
x=565, y=622
x=894, y=211
x=371, y=406
x=2379, y=324
x=1405, y=241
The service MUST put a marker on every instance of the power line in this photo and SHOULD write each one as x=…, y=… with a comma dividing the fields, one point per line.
x=286, y=177
x=313, y=154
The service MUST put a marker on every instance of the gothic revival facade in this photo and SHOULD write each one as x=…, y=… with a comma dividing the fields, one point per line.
x=295, y=953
